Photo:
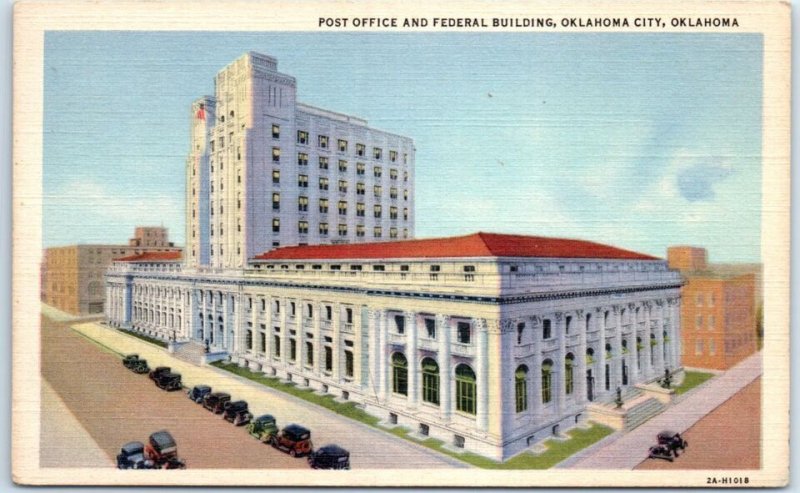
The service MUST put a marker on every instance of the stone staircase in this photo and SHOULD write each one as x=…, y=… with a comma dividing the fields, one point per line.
x=190, y=351
x=642, y=410
x=638, y=407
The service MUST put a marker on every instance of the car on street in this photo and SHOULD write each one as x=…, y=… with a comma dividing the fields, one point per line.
x=131, y=456
x=128, y=359
x=169, y=381
x=329, y=457
x=215, y=401
x=197, y=393
x=162, y=449
x=293, y=439
x=672, y=440
x=135, y=364
x=263, y=427
x=237, y=413
x=154, y=373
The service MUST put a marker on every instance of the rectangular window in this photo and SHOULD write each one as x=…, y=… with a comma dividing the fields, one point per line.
x=302, y=159
x=323, y=141
x=302, y=181
x=360, y=231
x=276, y=225
x=405, y=214
x=699, y=321
x=360, y=209
x=377, y=191
x=405, y=194
x=521, y=391
x=342, y=145
x=698, y=347
x=276, y=154
x=699, y=299
x=302, y=227
x=342, y=208
x=276, y=346
x=323, y=162
x=392, y=232
x=276, y=177
x=342, y=186
x=360, y=188
x=430, y=328
x=276, y=131
x=712, y=347
x=292, y=350
x=361, y=168
x=377, y=152
x=360, y=149
x=393, y=193
x=309, y=353
x=392, y=156
x=302, y=137
x=342, y=230
x=328, y=359
x=323, y=183
x=323, y=229
x=399, y=323
x=464, y=329
x=547, y=332
x=342, y=165
x=377, y=171
x=393, y=173
x=393, y=212
x=302, y=203
x=276, y=201
x=348, y=364
x=377, y=232
x=323, y=205
x=377, y=211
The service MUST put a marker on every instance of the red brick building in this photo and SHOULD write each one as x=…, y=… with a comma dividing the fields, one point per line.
x=718, y=314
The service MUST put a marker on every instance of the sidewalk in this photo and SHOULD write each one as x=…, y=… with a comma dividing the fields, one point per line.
x=628, y=450
x=369, y=447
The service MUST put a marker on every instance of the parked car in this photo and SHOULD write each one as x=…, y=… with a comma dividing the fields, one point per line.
x=660, y=452
x=263, y=427
x=135, y=364
x=237, y=413
x=162, y=449
x=198, y=392
x=672, y=440
x=169, y=381
x=329, y=457
x=215, y=401
x=131, y=456
x=158, y=371
x=294, y=439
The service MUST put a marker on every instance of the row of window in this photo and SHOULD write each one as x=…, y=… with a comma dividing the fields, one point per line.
x=343, y=186
x=323, y=142
x=324, y=229
x=292, y=356
x=699, y=322
x=302, y=206
x=701, y=298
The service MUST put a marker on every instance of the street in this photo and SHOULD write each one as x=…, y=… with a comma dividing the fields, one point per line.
x=115, y=405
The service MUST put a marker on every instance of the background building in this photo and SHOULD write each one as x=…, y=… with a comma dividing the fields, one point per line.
x=719, y=309
x=266, y=171
x=73, y=276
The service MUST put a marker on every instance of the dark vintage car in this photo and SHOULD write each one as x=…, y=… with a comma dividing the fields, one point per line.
x=135, y=364
x=215, y=401
x=329, y=457
x=237, y=413
x=669, y=442
x=169, y=381
x=154, y=373
x=294, y=439
x=131, y=456
x=197, y=393
x=162, y=449
x=263, y=427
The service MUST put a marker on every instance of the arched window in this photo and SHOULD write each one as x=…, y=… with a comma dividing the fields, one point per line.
x=521, y=388
x=399, y=374
x=465, y=389
x=430, y=381
x=569, y=379
x=588, y=319
x=547, y=381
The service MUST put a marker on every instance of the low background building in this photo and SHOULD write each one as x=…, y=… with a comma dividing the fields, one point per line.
x=719, y=308
x=72, y=276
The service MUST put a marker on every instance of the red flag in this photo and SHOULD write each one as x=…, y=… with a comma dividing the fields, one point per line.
x=201, y=113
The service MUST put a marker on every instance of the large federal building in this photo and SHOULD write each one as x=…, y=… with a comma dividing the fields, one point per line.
x=489, y=342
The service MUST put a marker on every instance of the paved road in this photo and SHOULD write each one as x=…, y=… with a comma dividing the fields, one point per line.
x=115, y=406
x=627, y=451
x=728, y=438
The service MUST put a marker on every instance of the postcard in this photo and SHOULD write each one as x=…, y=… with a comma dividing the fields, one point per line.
x=369, y=244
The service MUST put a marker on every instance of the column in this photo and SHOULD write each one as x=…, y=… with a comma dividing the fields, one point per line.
x=634, y=364
x=282, y=315
x=647, y=345
x=560, y=369
x=374, y=340
x=536, y=370
x=319, y=346
x=411, y=354
x=358, y=342
x=660, y=363
x=268, y=329
x=338, y=343
x=383, y=368
x=300, y=331
x=600, y=378
x=616, y=381
x=675, y=325
x=579, y=373
x=482, y=373
x=446, y=375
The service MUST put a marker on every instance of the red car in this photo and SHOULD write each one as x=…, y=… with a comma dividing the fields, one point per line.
x=294, y=439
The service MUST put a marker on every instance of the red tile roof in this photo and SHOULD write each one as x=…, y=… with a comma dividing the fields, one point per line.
x=152, y=257
x=474, y=245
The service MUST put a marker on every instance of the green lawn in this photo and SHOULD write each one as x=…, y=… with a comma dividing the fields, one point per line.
x=556, y=450
x=692, y=380
x=143, y=337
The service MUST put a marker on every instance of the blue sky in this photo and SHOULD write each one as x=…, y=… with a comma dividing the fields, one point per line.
x=637, y=140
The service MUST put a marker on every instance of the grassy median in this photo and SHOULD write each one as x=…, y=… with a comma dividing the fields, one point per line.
x=151, y=340
x=557, y=450
x=692, y=380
